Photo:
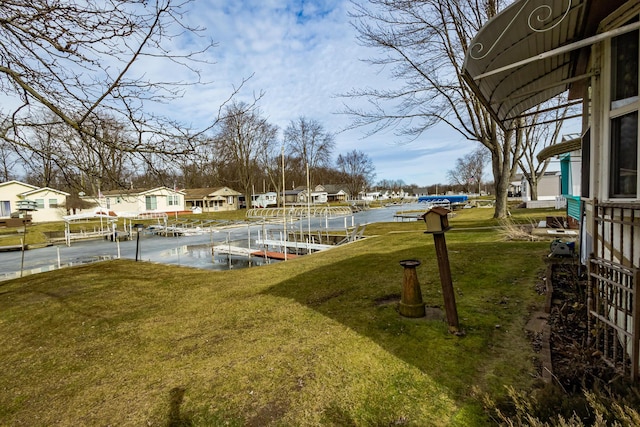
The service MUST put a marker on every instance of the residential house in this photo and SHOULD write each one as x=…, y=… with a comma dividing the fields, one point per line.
x=370, y=195
x=569, y=153
x=318, y=195
x=264, y=200
x=515, y=186
x=335, y=192
x=522, y=58
x=549, y=191
x=140, y=201
x=292, y=197
x=420, y=191
x=50, y=202
x=212, y=199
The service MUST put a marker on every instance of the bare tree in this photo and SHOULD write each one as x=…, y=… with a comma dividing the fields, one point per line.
x=358, y=171
x=244, y=137
x=202, y=169
x=9, y=158
x=83, y=61
x=43, y=165
x=269, y=160
x=391, y=184
x=543, y=128
x=104, y=165
x=423, y=44
x=469, y=169
x=306, y=139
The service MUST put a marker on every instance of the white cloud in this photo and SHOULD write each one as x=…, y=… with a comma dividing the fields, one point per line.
x=302, y=54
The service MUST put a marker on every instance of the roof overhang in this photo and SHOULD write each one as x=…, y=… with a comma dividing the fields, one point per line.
x=559, y=148
x=533, y=51
x=525, y=56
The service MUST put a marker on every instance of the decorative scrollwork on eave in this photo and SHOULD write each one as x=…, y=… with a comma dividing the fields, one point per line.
x=539, y=20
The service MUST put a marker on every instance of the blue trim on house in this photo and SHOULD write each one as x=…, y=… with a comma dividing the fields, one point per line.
x=573, y=206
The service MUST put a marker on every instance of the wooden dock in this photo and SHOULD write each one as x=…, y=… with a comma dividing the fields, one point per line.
x=274, y=255
x=239, y=251
x=12, y=248
x=232, y=250
x=295, y=245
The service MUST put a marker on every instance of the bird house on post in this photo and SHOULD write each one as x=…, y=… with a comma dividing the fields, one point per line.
x=437, y=220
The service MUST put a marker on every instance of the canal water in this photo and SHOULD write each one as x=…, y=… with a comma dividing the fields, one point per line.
x=198, y=251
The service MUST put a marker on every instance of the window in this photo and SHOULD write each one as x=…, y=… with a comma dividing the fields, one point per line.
x=624, y=155
x=53, y=203
x=151, y=203
x=173, y=200
x=40, y=203
x=624, y=69
x=5, y=208
x=623, y=116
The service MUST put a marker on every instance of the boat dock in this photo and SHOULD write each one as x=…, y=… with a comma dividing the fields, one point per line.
x=240, y=251
x=293, y=245
x=408, y=215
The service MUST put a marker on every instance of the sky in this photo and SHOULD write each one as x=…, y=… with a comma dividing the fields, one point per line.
x=303, y=55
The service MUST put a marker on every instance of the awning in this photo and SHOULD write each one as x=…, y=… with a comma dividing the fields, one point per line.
x=523, y=56
x=559, y=148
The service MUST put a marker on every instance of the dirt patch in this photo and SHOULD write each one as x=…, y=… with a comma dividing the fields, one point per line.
x=387, y=299
x=576, y=362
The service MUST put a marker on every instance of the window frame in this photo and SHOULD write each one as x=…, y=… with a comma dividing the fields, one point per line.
x=150, y=203
x=614, y=110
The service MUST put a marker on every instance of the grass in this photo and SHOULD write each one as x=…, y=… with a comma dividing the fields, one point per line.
x=313, y=341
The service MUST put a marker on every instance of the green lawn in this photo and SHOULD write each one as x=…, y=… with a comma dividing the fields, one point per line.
x=312, y=341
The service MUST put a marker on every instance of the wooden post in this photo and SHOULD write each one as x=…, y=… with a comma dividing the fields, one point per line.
x=445, y=280
x=437, y=221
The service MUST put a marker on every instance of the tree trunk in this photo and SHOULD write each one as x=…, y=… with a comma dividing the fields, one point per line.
x=502, y=179
x=500, y=145
x=533, y=187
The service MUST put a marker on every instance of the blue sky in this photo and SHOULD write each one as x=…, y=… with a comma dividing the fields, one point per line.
x=302, y=55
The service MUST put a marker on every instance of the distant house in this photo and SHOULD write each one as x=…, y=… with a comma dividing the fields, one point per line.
x=292, y=196
x=264, y=200
x=515, y=186
x=140, y=201
x=549, y=188
x=211, y=199
x=420, y=191
x=318, y=195
x=335, y=192
x=569, y=152
x=50, y=202
x=371, y=195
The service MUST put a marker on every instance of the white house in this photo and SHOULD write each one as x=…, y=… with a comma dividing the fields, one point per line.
x=140, y=201
x=549, y=190
x=50, y=202
x=264, y=200
x=522, y=58
x=371, y=195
